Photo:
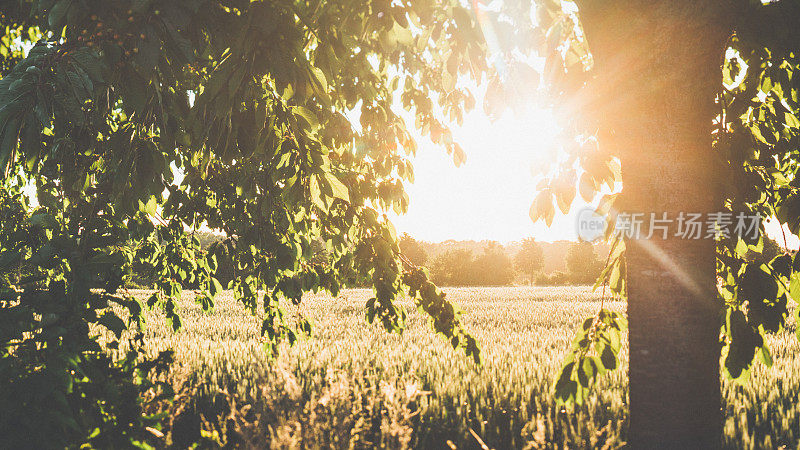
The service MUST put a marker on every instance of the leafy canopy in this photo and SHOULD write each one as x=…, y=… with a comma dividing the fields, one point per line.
x=127, y=126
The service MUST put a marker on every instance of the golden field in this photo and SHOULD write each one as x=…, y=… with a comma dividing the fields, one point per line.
x=353, y=385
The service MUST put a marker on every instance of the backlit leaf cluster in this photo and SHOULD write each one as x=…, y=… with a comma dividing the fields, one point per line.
x=284, y=126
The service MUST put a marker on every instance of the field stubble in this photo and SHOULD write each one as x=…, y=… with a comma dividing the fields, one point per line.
x=353, y=385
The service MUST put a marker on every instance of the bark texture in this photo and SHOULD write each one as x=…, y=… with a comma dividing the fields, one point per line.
x=657, y=67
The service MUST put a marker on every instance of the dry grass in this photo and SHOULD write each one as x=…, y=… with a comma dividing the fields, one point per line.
x=353, y=385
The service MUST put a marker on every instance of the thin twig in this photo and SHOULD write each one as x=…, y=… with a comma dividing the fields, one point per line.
x=478, y=438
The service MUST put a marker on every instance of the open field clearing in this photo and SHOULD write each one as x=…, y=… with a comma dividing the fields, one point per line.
x=354, y=385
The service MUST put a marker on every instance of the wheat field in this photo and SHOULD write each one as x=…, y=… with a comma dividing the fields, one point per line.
x=352, y=385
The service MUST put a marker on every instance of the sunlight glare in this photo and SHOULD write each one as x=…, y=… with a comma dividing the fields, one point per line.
x=490, y=195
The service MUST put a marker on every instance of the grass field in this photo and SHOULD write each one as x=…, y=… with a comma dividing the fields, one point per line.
x=353, y=385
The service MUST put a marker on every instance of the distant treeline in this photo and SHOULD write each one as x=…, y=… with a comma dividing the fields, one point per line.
x=488, y=263
x=474, y=263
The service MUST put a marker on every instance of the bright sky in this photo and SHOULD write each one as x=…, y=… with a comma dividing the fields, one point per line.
x=489, y=196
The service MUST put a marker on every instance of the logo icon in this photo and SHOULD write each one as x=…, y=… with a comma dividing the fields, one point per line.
x=590, y=225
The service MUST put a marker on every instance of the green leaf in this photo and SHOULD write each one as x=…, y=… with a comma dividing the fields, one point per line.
x=215, y=287
x=175, y=321
x=320, y=77
x=44, y=220
x=743, y=342
x=608, y=358
x=566, y=388
x=89, y=62
x=782, y=265
x=542, y=207
x=316, y=194
x=791, y=120
x=741, y=248
x=459, y=156
x=113, y=323
x=757, y=134
x=57, y=13
x=340, y=191
x=307, y=115
x=564, y=197
x=149, y=208
x=794, y=287
x=587, y=372
x=765, y=356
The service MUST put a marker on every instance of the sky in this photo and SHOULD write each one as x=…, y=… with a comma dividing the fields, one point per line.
x=489, y=196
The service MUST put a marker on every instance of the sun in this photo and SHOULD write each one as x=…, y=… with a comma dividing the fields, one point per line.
x=488, y=197
x=526, y=137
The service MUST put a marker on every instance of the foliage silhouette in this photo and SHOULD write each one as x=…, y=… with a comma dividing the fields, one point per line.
x=136, y=123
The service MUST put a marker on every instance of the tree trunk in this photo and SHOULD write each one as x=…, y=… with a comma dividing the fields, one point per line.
x=658, y=69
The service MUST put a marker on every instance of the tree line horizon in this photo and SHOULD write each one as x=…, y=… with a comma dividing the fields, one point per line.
x=485, y=262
